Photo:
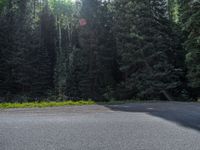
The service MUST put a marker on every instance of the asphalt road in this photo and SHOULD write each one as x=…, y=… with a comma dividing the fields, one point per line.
x=150, y=126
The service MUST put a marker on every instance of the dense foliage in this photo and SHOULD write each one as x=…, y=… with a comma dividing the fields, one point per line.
x=98, y=49
x=192, y=44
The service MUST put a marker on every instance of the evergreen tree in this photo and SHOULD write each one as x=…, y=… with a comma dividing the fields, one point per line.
x=15, y=68
x=44, y=55
x=99, y=49
x=192, y=43
x=107, y=54
x=48, y=39
x=144, y=48
x=20, y=51
x=174, y=10
x=88, y=41
x=99, y=53
x=5, y=70
x=2, y=4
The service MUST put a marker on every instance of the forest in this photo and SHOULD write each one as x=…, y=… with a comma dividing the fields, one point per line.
x=99, y=50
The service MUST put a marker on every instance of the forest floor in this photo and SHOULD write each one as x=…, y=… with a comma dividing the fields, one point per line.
x=136, y=126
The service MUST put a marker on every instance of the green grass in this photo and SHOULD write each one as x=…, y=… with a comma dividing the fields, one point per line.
x=46, y=104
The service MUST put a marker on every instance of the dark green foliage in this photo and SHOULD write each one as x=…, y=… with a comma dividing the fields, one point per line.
x=2, y=4
x=192, y=43
x=45, y=54
x=89, y=44
x=145, y=48
x=95, y=49
x=174, y=10
x=99, y=53
x=14, y=47
x=27, y=57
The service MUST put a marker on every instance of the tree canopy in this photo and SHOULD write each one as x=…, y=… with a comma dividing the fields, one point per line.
x=97, y=49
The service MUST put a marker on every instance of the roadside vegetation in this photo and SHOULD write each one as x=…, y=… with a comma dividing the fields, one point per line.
x=46, y=104
x=99, y=49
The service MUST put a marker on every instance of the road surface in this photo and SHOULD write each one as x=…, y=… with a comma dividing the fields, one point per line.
x=141, y=126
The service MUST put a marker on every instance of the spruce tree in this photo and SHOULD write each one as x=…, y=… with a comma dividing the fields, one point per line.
x=192, y=43
x=144, y=48
x=88, y=42
x=4, y=51
x=44, y=55
x=98, y=44
x=107, y=54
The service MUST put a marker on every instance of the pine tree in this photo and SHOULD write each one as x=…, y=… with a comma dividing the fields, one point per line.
x=20, y=61
x=99, y=52
x=2, y=4
x=143, y=44
x=44, y=55
x=88, y=40
x=174, y=10
x=48, y=38
x=192, y=43
x=99, y=49
x=106, y=58
x=14, y=31
x=4, y=65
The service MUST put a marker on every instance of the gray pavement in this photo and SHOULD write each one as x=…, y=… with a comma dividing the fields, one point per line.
x=141, y=126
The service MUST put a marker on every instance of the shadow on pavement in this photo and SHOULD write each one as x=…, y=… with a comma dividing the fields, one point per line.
x=184, y=114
